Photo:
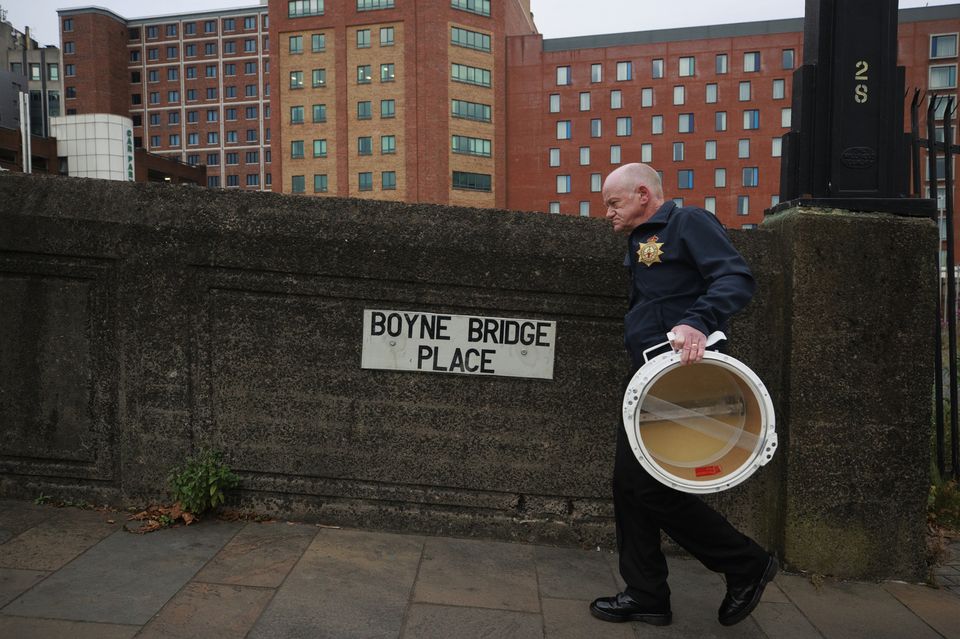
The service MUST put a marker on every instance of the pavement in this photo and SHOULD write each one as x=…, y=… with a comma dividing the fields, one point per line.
x=72, y=573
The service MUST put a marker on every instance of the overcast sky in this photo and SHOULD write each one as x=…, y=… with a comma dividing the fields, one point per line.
x=554, y=18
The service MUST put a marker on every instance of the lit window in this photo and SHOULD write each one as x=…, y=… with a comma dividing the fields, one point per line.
x=687, y=66
x=387, y=72
x=364, y=74
x=296, y=79
x=319, y=78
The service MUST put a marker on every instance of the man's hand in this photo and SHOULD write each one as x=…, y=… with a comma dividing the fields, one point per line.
x=690, y=342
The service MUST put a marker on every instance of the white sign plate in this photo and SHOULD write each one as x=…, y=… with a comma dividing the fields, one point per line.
x=464, y=344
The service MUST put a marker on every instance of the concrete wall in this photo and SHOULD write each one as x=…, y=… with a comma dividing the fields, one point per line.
x=139, y=322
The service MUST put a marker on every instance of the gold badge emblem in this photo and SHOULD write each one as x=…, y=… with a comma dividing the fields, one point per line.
x=649, y=252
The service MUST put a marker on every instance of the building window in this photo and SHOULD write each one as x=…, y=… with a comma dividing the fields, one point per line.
x=229, y=24
x=596, y=72
x=388, y=144
x=710, y=150
x=470, y=146
x=175, y=139
x=615, y=154
x=687, y=66
x=481, y=7
x=943, y=77
x=364, y=74
x=296, y=44
x=710, y=204
x=585, y=101
x=584, y=208
x=624, y=71
x=386, y=36
x=720, y=121
x=253, y=179
x=787, y=59
x=563, y=76
x=249, y=22
x=154, y=119
x=751, y=175
x=685, y=124
x=678, y=151
x=679, y=95
x=68, y=24
x=779, y=89
x=711, y=93
x=171, y=53
x=785, y=117
x=596, y=128
x=943, y=46
x=720, y=178
x=53, y=72
x=743, y=205
x=250, y=45
x=745, y=91
x=300, y=8
x=743, y=148
x=471, y=181
x=470, y=75
x=210, y=48
x=554, y=103
x=251, y=157
x=173, y=74
x=210, y=26
x=616, y=99
x=751, y=62
x=319, y=148
x=646, y=97
x=364, y=110
x=212, y=115
x=776, y=147
x=646, y=153
x=154, y=141
x=318, y=42
x=554, y=207
x=320, y=183
x=371, y=5
x=388, y=180
x=751, y=119
x=365, y=145
x=296, y=115
x=387, y=72
x=553, y=156
x=173, y=117
x=319, y=112
x=470, y=110
x=388, y=108
x=722, y=63
x=563, y=130
x=656, y=68
x=656, y=125
x=595, y=182
x=363, y=38
x=251, y=113
x=296, y=149
x=35, y=71
x=297, y=184
x=190, y=73
x=471, y=39
x=70, y=70
x=685, y=179
x=563, y=184
x=624, y=126
x=584, y=156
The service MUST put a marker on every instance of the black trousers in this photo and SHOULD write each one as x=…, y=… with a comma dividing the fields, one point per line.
x=643, y=507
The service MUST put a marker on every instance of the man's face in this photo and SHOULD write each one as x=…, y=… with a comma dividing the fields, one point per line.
x=626, y=207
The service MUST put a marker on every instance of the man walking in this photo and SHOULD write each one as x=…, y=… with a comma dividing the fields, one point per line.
x=686, y=278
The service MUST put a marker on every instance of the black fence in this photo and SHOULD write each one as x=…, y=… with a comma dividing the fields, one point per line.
x=940, y=152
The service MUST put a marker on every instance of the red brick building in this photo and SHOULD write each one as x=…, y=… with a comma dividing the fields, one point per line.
x=196, y=85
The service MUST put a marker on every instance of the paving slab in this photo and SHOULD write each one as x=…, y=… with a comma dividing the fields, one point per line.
x=482, y=574
x=570, y=619
x=939, y=608
x=126, y=578
x=773, y=594
x=262, y=554
x=348, y=584
x=14, y=582
x=25, y=628
x=18, y=516
x=846, y=610
x=429, y=621
x=784, y=621
x=56, y=539
x=565, y=573
x=211, y=611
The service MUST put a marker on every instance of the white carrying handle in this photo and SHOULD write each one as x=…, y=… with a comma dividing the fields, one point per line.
x=712, y=339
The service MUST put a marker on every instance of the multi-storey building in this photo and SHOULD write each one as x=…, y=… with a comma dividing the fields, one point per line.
x=395, y=100
x=706, y=106
x=462, y=101
x=195, y=85
x=40, y=65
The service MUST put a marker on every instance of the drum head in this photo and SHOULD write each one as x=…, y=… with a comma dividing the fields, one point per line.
x=703, y=427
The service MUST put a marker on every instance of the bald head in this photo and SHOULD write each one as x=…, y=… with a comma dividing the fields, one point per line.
x=631, y=193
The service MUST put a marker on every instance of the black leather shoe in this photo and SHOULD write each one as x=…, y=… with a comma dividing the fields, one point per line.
x=742, y=599
x=623, y=607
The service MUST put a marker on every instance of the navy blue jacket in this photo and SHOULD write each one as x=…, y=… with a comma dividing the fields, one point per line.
x=694, y=277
